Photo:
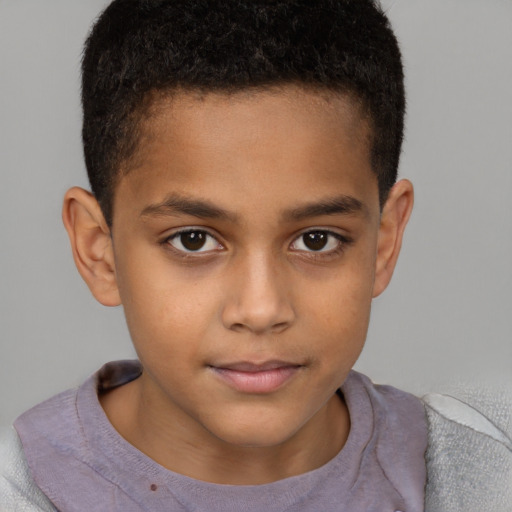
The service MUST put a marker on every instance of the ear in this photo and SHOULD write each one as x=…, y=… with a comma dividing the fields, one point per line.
x=394, y=218
x=91, y=244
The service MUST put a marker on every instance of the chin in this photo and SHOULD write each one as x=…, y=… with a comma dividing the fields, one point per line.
x=260, y=433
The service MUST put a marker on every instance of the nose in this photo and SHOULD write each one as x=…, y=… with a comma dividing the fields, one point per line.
x=258, y=300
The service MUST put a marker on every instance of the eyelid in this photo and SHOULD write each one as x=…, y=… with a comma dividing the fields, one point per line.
x=343, y=241
x=191, y=229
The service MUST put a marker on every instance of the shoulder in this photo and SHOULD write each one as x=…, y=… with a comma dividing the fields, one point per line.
x=393, y=407
x=18, y=491
x=469, y=455
x=393, y=426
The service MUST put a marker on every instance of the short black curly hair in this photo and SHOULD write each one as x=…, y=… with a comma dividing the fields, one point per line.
x=139, y=47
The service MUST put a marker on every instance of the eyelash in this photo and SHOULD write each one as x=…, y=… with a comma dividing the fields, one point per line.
x=185, y=253
x=343, y=243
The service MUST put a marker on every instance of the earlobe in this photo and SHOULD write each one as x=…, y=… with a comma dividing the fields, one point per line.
x=394, y=218
x=91, y=244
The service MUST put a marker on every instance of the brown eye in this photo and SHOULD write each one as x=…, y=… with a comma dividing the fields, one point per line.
x=315, y=240
x=193, y=241
x=318, y=240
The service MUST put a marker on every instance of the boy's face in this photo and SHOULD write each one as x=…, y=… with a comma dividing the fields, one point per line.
x=246, y=242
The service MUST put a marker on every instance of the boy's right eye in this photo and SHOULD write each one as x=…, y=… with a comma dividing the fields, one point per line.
x=193, y=241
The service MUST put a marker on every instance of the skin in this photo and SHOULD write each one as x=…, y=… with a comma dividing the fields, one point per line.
x=251, y=173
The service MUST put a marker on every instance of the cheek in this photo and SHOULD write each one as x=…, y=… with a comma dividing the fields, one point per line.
x=344, y=298
x=339, y=311
x=164, y=309
x=343, y=328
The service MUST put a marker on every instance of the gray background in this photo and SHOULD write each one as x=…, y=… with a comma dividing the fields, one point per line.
x=448, y=311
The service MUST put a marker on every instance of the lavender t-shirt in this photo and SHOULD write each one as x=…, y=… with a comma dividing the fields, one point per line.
x=82, y=464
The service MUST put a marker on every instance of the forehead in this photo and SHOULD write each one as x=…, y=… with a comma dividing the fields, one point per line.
x=283, y=142
x=192, y=115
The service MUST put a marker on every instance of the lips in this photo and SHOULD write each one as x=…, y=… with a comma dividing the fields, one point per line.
x=247, y=377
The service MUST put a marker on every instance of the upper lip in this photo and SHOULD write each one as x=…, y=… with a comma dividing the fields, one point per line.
x=247, y=366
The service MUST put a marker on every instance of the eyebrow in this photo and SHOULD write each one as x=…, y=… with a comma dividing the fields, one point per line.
x=174, y=205
x=340, y=205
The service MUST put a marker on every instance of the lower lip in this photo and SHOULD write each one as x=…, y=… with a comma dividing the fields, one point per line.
x=265, y=381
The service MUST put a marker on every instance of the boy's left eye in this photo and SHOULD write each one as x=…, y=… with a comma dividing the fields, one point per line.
x=318, y=241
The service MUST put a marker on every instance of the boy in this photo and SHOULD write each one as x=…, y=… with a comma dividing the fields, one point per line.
x=243, y=161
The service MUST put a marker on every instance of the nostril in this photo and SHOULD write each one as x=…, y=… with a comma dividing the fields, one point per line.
x=280, y=326
x=237, y=327
x=276, y=328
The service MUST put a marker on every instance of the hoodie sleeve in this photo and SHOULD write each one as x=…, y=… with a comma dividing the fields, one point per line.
x=469, y=455
x=18, y=492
